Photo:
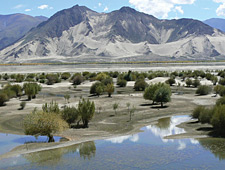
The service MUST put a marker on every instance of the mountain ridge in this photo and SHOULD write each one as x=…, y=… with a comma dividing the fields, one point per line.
x=81, y=34
x=15, y=26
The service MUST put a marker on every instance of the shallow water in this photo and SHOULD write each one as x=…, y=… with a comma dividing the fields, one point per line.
x=10, y=141
x=145, y=150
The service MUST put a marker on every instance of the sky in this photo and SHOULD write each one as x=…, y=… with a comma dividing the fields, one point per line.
x=163, y=9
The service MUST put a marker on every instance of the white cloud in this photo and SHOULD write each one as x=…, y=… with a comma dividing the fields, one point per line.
x=159, y=8
x=27, y=10
x=179, y=9
x=18, y=6
x=106, y=9
x=99, y=4
x=43, y=7
x=220, y=11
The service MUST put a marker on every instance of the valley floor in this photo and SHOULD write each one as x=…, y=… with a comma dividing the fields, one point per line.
x=106, y=123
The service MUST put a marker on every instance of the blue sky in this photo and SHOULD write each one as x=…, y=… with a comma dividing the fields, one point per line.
x=166, y=9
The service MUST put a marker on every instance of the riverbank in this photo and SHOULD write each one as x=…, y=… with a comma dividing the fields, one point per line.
x=106, y=123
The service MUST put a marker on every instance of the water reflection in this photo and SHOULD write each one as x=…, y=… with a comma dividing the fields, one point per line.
x=121, y=139
x=53, y=157
x=215, y=146
x=167, y=127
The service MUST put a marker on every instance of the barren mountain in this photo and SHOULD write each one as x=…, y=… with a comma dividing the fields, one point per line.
x=80, y=34
x=15, y=26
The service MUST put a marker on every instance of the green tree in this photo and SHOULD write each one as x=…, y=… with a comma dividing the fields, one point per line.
x=70, y=114
x=150, y=91
x=45, y=124
x=163, y=95
x=97, y=88
x=109, y=89
x=31, y=90
x=86, y=110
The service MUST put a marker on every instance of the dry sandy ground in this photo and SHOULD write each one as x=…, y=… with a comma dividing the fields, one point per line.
x=106, y=123
x=113, y=67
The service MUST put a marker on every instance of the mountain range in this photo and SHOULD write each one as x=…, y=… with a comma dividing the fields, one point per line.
x=81, y=34
x=15, y=26
x=218, y=23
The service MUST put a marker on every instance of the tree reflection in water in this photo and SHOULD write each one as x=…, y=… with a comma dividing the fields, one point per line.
x=164, y=123
x=52, y=157
x=215, y=146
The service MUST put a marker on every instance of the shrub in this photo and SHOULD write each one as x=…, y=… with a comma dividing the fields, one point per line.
x=218, y=118
x=218, y=88
x=101, y=76
x=70, y=114
x=107, y=81
x=188, y=82
x=17, y=89
x=31, y=90
x=65, y=76
x=77, y=80
x=52, y=79
x=20, y=78
x=3, y=98
x=222, y=91
x=197, y=111
x=203, y=90
x=22, y=105
x=121, y=83
x=222, y=81
x=5, y=76
x=214, y=80
x=140, y=85
x=51, y=107
x=206, y=115
x=220, y=101
x=196, y=83
x=170, y=81
x=97, y=88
